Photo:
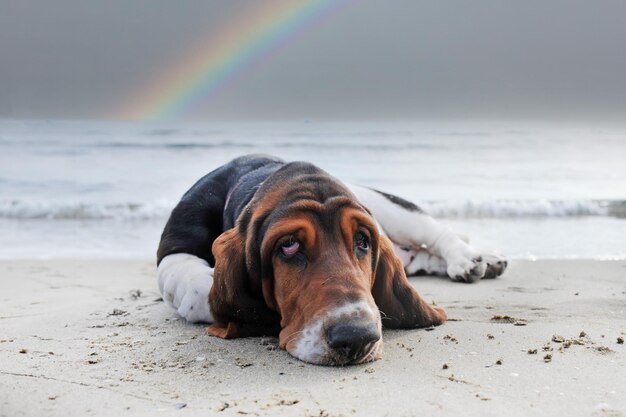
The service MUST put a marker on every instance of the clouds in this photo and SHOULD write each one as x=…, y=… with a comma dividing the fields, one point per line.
x=405, y=59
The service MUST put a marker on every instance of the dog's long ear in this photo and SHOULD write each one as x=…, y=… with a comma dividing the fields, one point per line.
x=400, y=304
x=237, y=309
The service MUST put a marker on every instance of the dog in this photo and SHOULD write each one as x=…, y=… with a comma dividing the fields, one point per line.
x=260, y=246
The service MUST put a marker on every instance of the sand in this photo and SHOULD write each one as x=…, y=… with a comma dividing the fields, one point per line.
x=89, y=337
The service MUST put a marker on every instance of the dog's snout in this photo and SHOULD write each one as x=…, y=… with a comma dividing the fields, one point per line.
x=352, y=341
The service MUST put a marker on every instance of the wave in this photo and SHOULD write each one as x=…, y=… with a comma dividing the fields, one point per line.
x=160, y=209
x=527, y=209
x=74, y=210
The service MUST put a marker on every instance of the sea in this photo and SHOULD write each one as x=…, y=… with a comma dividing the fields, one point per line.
x=83, y=189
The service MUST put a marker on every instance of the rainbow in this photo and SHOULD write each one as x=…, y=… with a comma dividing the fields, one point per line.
x=207, y=68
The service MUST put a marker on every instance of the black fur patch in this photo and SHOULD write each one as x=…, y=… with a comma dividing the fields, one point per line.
x=407, y=205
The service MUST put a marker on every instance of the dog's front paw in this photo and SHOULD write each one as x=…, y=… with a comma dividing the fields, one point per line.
x=496, y=265
x=185, y=281
x=194, y=304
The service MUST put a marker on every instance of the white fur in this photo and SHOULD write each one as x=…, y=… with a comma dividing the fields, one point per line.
x=185, y=281
x=419, y=231
x=406, y=255
x=312, y=346
x=428, y=263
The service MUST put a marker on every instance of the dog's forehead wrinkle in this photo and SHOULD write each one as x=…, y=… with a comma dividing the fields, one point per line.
x=326, y=220
x=319, y=209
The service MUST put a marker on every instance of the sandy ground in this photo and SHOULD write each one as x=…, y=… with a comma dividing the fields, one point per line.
x=89, y=337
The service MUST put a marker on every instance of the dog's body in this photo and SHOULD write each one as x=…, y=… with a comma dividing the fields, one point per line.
x=285, y=248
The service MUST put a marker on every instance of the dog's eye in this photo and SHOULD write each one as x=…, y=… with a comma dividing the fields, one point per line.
x=361, y=242
x=290, y=247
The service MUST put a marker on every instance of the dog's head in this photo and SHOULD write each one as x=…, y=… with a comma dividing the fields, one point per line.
x=307, y=259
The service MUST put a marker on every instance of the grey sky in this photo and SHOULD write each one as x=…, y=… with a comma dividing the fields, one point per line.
x=401, y=59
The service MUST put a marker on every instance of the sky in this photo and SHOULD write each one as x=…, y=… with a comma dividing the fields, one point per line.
x=368, y=60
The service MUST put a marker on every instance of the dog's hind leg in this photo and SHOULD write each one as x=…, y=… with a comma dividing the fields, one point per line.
x=408, y=226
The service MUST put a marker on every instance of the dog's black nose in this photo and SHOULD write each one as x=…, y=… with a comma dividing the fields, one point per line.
x=352, y=341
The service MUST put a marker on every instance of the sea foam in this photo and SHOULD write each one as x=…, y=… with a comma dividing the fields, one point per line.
x=160, y=209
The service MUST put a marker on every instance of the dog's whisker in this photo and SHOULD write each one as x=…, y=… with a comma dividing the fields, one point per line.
x=292, y=336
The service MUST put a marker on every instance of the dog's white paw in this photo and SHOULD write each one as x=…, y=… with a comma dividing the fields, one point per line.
x=185, y=281
x=465, y=264
x=194, y=305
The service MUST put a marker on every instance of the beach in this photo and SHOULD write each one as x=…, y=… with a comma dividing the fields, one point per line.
x=91, y=337
x=504, y=124
x=82, y=330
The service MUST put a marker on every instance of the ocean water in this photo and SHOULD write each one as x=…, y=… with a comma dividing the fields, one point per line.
x=96, y=189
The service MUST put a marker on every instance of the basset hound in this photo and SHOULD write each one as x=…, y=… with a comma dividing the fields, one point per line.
x=260, y=246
